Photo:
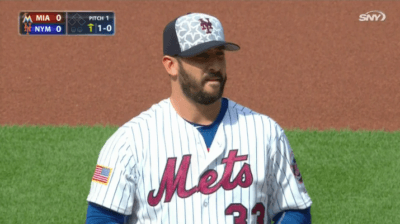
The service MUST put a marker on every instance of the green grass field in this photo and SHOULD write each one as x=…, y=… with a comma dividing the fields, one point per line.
x=352, y=177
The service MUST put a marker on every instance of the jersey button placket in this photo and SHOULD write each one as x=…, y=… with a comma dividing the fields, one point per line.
x=205, y=210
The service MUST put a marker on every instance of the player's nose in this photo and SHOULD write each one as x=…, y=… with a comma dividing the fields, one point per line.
x=215, y=66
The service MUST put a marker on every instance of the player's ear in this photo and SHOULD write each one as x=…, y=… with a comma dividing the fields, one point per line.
x=171, y=65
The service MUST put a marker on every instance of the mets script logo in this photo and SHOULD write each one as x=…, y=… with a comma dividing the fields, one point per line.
x=207, y=26
x=374, y=15
x=172, y=183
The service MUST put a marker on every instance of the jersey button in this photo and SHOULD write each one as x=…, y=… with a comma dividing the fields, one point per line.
x=205, y=204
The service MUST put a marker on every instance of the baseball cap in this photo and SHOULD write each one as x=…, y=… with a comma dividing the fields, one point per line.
x=194, y=33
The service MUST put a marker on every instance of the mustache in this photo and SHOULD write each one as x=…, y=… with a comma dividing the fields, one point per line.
x=213, y=75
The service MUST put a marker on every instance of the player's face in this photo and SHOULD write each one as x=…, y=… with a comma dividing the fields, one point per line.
x=204, y=76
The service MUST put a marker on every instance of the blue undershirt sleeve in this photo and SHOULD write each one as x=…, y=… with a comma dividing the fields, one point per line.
x=97, y=214
x=293, y=217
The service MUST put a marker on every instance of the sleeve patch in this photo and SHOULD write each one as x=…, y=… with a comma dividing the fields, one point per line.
x=295, y=169
x=102, y=174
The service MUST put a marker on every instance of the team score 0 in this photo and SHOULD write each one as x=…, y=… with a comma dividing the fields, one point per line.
x=58, y=17
x=258, y=209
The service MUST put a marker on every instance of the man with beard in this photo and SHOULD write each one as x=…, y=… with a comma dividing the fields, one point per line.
x=197, y=157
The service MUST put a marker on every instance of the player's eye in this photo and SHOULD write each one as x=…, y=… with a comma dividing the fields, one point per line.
x=203, y=56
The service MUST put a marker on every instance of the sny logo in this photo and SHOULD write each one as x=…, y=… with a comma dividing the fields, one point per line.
x=374, y=15
x=206, y=25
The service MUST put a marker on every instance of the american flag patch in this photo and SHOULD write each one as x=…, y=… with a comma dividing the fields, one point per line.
x=102, y=174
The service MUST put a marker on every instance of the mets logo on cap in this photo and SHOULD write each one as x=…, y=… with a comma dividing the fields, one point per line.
x=206, y=25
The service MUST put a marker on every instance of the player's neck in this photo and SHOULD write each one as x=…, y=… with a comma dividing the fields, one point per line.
x=195, y=112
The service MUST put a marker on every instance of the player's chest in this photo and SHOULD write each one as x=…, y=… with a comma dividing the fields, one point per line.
x=186, y=172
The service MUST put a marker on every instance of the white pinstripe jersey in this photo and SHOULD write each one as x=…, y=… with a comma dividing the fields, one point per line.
x=161, y=171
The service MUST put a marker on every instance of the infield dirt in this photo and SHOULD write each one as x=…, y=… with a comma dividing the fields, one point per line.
x=306, y=64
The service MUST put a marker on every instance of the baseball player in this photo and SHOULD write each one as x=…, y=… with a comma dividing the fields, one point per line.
x=197, y=157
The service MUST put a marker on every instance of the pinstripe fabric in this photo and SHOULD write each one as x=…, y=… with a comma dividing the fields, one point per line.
x=140, y=150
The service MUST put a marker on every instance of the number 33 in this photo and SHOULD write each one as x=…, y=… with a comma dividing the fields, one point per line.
x=242, y=217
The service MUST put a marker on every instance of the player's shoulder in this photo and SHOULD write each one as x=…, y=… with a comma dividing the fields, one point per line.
x=243, y=111
x=246, y=111
x=140, y=125
x=235, y=106
x=149, y=115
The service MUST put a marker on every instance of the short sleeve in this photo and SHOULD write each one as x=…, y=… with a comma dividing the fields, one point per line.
x=286, y=186
x=115, y=175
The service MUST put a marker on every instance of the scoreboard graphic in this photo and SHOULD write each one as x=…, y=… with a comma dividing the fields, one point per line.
x=67, y=23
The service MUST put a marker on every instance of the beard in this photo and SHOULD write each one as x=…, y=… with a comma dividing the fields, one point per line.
x=195, y=91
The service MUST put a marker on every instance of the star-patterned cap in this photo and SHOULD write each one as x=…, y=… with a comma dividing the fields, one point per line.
x=194, y=33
